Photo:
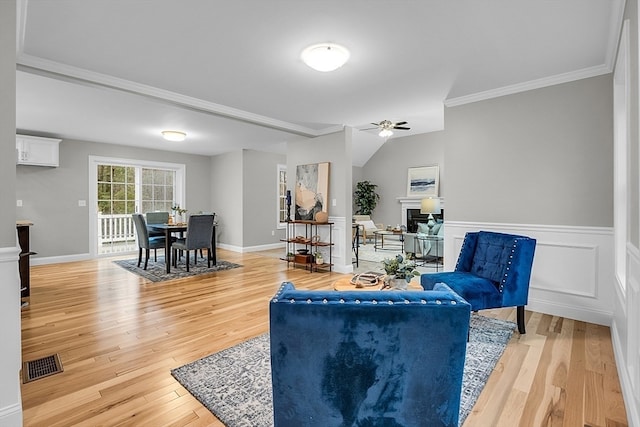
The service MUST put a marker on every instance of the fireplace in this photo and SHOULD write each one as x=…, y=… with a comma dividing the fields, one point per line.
x=414, y=217
x=410, y=206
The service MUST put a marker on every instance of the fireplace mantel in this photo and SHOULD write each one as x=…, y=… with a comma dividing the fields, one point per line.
x=412, y=203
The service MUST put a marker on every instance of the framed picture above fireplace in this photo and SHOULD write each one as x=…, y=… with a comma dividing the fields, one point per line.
x=423, y=181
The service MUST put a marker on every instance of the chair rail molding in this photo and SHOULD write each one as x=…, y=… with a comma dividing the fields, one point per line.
x=572, y=268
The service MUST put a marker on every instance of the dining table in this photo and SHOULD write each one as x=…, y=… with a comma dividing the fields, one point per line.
x=169, y=229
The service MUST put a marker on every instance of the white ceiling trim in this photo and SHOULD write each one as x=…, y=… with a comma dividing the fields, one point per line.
x=36, y=65
x=530, y=85
x=617, y=16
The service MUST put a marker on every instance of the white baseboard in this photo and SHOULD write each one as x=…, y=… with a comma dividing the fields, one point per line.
x=59, y=259
x=630, y=400
x=268, y=247
x=11, y=416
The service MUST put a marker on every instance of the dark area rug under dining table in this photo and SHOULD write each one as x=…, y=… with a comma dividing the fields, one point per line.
x=157, y=271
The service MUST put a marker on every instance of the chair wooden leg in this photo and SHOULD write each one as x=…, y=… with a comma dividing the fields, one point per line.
x=155, y=255
x=520, y=315
x=146, y=258
x=139, y=256
x=188, y=261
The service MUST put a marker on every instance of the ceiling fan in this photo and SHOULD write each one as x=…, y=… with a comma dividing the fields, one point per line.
x=386, y=127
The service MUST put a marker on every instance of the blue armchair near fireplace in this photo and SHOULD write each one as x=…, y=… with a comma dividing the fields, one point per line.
x=493, y=271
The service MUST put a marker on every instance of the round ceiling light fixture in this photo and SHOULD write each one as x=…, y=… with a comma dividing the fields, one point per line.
x=173, y=135
x=325, y=56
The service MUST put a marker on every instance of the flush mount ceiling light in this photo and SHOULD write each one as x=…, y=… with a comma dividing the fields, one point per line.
x=325, y=56
x=173, y=135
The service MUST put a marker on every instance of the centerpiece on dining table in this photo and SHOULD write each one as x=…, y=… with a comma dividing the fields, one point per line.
x=400, y=270
x=179, y=212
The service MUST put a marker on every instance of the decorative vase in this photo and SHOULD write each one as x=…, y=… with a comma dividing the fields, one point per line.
x=396, y=283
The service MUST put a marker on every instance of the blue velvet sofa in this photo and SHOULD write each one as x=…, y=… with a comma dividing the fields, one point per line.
x=492, y=271
x=367, y=358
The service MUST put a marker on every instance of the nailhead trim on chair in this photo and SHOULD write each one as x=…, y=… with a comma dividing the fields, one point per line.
x=506, y=274
x=372, y=301
x=393, y=299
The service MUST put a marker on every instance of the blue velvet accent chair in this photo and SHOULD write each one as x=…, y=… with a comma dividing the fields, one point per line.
x=367, y=358
x=493, y=271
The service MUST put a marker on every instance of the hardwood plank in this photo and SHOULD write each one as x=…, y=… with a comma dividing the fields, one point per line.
x=120, y=335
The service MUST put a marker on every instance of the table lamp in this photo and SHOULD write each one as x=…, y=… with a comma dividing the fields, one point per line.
x=430, y=205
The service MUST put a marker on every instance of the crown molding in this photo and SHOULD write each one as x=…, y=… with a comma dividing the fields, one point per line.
x=530, y=85
x=52, y=69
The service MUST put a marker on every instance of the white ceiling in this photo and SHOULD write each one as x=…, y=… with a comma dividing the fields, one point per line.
x=229, y=73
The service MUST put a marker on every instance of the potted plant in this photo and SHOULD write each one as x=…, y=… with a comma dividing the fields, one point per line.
x=400, y=270
x=318, y=257
x=365, y=197
x=178, y=213
x=291, y=256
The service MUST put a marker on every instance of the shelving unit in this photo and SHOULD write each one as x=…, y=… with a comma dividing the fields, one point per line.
x=312, y=236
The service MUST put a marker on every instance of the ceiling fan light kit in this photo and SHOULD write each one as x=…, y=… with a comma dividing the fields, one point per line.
x=386, y=127
x=325, y=56
x=173, y=135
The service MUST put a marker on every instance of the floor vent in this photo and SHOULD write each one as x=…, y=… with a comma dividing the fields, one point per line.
x=40, y=368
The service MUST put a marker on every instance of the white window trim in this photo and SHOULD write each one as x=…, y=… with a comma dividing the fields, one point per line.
x=94, y=161
x=280, y=225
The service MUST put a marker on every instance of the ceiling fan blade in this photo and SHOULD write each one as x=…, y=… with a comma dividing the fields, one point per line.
x=400, y=123
x=376, y=124
x=401, y=127
x=377, y=127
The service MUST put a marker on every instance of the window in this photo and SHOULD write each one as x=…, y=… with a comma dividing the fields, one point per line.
x=122, y=187
x=282, y=195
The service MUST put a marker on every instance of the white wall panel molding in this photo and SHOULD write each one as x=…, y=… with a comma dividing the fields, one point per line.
x=10, y=357
x=341, y=253
x=572, y=270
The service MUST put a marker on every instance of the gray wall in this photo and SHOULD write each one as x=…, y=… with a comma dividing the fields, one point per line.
x=259, y=196
x=50, y=195
x=226, y=185
x=7, y=123
x=388, y=169
x=243, y=195
x=335, y=149
x=539, y=157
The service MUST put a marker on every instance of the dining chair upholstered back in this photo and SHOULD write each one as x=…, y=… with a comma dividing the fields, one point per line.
x=199, y=236
x=145, y=241
x=156, y=218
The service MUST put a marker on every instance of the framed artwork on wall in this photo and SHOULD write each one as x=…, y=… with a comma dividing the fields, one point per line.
x=423, y=181
x=311, y=190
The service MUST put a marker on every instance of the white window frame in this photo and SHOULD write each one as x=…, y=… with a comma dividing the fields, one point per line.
x=178, y=191
x=281, y=193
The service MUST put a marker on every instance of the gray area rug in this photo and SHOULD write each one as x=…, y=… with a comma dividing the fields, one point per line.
x=235, y=384
x=157, y=271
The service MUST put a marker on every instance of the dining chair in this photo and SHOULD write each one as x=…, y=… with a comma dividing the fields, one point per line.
x=156, y=218
x=199, y=234
x=145, y=241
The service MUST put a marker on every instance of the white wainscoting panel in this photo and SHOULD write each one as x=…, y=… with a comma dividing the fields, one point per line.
x=572, y=272
x=11, y=354
x=625, y=335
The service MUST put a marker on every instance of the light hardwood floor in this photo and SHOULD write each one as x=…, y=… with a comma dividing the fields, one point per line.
x=119, y=336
